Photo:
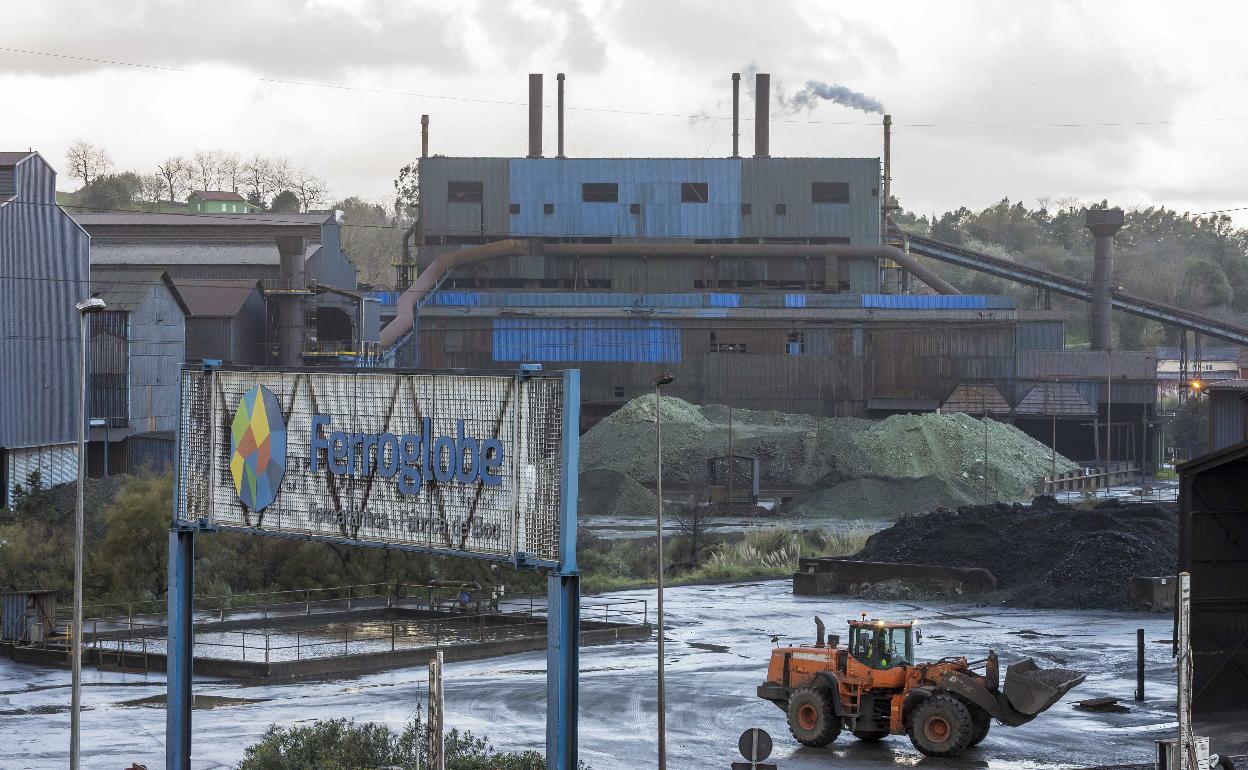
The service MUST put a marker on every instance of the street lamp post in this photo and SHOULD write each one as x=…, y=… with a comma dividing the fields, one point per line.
x=85, y=308
x=659, y=382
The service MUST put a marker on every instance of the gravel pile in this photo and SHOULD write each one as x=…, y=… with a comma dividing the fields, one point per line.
x=1043, y=555
x=609, y=493
x=848, y=468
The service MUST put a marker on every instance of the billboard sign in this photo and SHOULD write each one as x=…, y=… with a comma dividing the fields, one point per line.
x=462, y=464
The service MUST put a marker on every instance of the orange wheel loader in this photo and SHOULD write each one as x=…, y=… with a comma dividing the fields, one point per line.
x=874, y=688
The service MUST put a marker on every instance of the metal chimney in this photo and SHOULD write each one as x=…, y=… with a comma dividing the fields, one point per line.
x=290, y=312
x=559, y=77
x=736, y=114
x=887, y=186
x=1103, y=223
x=424, y=136
x=535, y=115
x=762, y=97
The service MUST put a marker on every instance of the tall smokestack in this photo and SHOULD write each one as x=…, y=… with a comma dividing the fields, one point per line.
x=424, y=136
x=1103, y=224
x=762, y=99
x=559, y=77
x=736, y=114
x=535, y=115
x=888, y=175
x=290, y=251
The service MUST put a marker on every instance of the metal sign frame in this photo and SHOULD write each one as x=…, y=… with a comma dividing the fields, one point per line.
x=563, y=581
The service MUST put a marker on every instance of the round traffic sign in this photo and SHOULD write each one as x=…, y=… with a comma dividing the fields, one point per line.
x=755, y=744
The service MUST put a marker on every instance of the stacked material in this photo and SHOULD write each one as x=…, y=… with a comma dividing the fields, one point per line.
x=1043, y=555
x=848, y=468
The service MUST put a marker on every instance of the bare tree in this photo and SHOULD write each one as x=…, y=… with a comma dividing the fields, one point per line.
x=280, y=174
x=310, y=188
x=692, y=518
x=175, y=171
x=206, y=169
x=231, y=170
x=151, y=187
x=87, y=161
x=257, y=178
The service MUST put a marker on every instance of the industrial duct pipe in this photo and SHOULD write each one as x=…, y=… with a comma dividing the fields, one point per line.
x=535, y=115
x=736, y=114
x=424, y=136
x=405, y=308
x=559, y=113
x=762, y=97
x=290, y=311
x=1103, y=223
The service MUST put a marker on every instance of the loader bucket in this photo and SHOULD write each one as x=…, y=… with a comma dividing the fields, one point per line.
x=1031, y=689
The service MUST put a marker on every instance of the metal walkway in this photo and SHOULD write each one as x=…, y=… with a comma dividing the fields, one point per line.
x=1070, y=287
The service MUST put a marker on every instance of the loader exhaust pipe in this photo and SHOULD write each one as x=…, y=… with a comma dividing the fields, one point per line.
x=819, y=628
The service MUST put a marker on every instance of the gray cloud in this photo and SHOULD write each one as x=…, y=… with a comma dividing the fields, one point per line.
x=815, y=91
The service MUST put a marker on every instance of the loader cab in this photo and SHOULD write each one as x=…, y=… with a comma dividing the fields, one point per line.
x=880, y=644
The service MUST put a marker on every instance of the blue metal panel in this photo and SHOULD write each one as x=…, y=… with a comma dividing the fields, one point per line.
x=577, y=339
x=563, y=599
x=724, y=300
x=653, y=184
x=795, y=300
x=925, y=301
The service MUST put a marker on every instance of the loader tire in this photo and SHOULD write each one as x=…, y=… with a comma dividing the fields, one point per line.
x=870, y=736
x=941, y=726
x=812, y=718
x=982, y=721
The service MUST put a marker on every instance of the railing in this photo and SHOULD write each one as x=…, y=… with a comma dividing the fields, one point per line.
x=1092, y=478
x=135, y=634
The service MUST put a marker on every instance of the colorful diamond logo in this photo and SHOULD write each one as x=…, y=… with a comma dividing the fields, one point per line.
x=258, y=448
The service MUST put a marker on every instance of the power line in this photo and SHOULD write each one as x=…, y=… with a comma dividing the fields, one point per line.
x=617, y=111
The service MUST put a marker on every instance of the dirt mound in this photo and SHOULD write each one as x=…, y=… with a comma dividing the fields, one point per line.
x=609, y=493
x=1043, y=555
x=848, y=467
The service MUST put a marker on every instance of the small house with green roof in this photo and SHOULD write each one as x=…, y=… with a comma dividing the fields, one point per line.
x=217, y=202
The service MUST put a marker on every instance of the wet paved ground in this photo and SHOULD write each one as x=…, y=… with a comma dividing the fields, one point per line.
x=719, y=642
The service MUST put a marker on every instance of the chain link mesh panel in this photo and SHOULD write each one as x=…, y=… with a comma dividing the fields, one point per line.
x=376, y=476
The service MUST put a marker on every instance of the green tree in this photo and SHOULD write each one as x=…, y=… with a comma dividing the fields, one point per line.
x=285, y=202
x=136, y=544
x=111, y=191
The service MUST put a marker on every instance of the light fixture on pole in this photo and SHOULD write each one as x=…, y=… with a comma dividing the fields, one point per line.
x=663, y=379
x=85, y=308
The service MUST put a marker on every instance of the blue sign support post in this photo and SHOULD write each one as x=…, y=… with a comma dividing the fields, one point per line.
x=563, y=599
x=180, y=653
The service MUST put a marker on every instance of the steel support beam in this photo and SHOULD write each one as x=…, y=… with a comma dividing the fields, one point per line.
x=180, y=652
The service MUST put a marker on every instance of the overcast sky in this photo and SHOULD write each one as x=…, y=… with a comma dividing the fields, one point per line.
x=652, y=78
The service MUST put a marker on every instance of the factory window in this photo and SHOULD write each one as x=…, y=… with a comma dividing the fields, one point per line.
x=745, y=209
x=548, y=208
x=464, y=192
x=796, y=344
x=514, y=208
x=725, y=347
x=619, y=391
x=600, y=192
x=829, y=192
x=781, y=209
x=634, y=208
x=694, y=192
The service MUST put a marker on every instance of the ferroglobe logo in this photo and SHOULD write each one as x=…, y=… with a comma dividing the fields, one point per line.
x=414, y=458
x=258, y=448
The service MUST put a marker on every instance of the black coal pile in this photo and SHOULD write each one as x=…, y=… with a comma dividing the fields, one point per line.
x=1046, y=554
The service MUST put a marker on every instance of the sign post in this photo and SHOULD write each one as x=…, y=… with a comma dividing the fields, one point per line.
x=480, y=466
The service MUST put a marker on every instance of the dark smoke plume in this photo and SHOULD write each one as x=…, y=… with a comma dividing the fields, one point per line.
x=837, y=94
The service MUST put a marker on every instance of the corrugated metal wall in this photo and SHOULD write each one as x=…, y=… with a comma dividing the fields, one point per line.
x=208, y=338
x=56, y=463
x=157, y=350
x=1041, y=335
x=43, y=272
x=444, y=218
x=579, y=339
x=651, y=186
x=766, y=182
x=1228, y=418
x=109, y=368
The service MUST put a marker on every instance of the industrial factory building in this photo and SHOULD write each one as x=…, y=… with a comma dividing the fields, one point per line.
x=309, y=310
x=43, y=273
x=765, y=283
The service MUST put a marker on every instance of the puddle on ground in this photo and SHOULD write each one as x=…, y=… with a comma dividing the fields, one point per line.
x=199, y=701
x=708, y=647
